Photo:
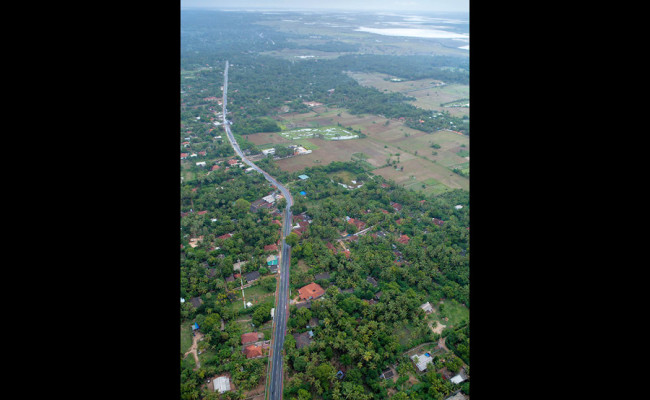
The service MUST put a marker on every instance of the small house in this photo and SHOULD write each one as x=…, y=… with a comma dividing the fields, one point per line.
x=422, y=360
x=271, y=247
x=253, y=351
x=404, y=239
x=252, y=276
x=221, y=384
x=249, y=337
x=272, y=260
x=311, y=291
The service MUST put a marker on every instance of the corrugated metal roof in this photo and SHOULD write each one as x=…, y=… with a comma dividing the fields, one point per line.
x=221, y=384
x=423, y=360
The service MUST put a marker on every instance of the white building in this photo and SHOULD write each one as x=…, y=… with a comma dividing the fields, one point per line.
x=427, y=307
x=458, y=207
x=201, y=163
x=269, y=199
x=221, y=384
x=268, y=151
x=457, y=379
x=421, y=361
x=302, y=150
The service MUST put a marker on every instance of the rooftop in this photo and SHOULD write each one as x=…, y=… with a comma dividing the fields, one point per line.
x=249, y=337
x=253, y=351
x=311, y=291
x=221, y=384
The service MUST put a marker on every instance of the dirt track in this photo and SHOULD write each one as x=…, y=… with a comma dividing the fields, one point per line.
x=193, y=349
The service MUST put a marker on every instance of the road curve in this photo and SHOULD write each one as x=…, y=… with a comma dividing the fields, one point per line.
x=281, y=307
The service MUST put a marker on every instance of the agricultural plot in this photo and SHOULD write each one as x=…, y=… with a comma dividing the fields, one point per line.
x=384, y=140
x=337, y=150
x=422, y=170
x=429, y=94
x=447, y=155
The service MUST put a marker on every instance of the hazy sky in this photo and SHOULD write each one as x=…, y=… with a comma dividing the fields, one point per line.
x=376, y=5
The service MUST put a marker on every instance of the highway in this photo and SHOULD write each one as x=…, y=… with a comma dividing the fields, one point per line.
x=281, y=307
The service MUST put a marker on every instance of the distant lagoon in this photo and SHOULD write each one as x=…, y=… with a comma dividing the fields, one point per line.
x=414, y=32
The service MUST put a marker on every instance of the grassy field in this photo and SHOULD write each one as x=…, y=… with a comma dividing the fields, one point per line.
x=255, y=294
x=454, y=311
x=346, y=177
x=327, y=133
x=405, y=334
x=186, y=336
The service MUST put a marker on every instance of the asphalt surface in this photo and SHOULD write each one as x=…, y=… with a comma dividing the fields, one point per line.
x=281, y=308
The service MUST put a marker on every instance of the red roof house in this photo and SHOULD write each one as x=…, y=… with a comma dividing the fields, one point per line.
x=271, y=247
x=253, y=352
x=232, y=162
x=202, y=212
x=311, y=291
x=331, y=247
x=359, y=224
x=249, y=337
x=404, y=239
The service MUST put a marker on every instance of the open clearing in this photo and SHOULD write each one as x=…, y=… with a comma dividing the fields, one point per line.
x=453, y=311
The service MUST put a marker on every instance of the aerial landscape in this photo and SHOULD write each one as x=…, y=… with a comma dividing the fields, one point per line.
x=324, y=199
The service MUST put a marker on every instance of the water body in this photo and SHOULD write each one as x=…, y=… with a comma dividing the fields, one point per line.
x=414, y=32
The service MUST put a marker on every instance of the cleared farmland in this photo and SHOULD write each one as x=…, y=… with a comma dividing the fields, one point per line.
x=429, y=93
x=386, y=141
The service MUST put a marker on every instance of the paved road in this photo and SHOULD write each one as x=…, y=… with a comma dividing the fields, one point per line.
x=281, y=308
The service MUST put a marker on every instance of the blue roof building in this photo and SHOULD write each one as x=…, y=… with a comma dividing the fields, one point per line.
x=195, y=326
x=303, y=193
